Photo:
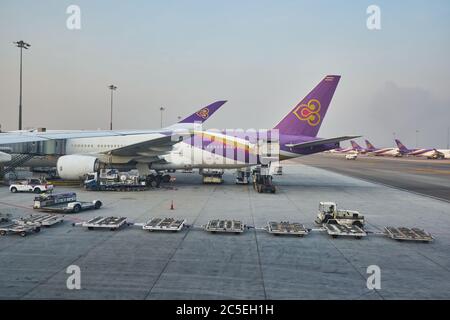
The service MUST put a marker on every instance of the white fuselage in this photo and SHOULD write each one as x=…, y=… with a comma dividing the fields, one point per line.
x=388, y=152
x=445, y=152
x=182, y=155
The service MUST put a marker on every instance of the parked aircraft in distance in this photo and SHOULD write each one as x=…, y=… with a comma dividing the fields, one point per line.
x=428, y=153
x=388, y=152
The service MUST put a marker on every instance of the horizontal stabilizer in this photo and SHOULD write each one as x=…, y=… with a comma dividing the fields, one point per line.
x=317, y=142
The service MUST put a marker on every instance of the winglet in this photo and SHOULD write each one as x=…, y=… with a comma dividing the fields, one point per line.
x=204, y=113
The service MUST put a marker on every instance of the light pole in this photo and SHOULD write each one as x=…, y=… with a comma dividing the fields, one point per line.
x=112, y=88
x=162, y=109
x=448, y=138
x=417, y=139
x=22, y=45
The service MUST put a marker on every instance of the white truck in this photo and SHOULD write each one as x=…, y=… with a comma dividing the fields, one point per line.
x=31, y=185
x=63, y=202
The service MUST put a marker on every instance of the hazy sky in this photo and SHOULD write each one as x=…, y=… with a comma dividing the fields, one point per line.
x=261, y=56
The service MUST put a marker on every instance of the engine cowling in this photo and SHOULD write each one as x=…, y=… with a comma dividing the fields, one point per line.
x=75, y=167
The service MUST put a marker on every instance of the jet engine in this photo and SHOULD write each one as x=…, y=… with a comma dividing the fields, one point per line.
x=75, y=167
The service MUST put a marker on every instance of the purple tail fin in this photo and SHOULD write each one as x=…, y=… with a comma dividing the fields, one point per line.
x=204, y=113
x=355, y=146
x=401, y=146
x=369, y=145
x=305, y=119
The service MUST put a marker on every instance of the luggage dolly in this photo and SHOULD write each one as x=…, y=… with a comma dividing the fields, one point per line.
x=286, y=228
x=335, y=230
x=407, y=234
x=18, y=228
x=164, y=224
x=46, y=220
x=111, y=223
x=226, y=226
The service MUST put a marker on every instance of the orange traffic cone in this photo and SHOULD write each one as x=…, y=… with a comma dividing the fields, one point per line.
x=171, y=206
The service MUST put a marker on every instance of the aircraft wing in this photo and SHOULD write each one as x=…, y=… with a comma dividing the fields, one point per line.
x=31, y=136
x=317, y=142
x=151, y=147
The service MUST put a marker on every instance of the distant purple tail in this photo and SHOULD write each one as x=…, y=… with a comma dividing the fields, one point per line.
x=401, y=146
x=369, y=145
x=305, y=119
x=204, y=113
x=355, y=146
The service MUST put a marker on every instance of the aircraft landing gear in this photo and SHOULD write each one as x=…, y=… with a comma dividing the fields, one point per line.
x=155, y=180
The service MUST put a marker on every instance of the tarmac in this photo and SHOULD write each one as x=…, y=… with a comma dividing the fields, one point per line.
x=192, y=264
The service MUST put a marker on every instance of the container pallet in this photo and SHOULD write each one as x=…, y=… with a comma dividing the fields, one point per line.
x=17, y=228
x=230, y=226
x=112, y=223
x=164, y=224
x=41, y=220
x=286, y=228
x=337, y=230
x=403, y=233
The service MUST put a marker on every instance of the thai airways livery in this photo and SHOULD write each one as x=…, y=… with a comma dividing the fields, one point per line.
x=357, y=147
x=428, y=153
x=167, y=149
x=298, y=129
x=388, y=152
x=296, y=136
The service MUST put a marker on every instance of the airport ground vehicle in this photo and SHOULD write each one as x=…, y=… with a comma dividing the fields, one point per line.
x=276, y=170
x=113, y=180
x=41, y=220
x=328, y=213
x=31, y=185
x=351, y=156
x=164, y=224
x=262, y=180
x=111, y=223
x=226, y=226
x=63, y=202
x=18, y=228
x=242, y=176
x=286, y=228
x=212, y=176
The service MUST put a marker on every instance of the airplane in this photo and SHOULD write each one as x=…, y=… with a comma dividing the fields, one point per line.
x=391, y=152
x=355, y=148
x=428, y=153
x=341, y=150
x=46, y=147
x=295, y=135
